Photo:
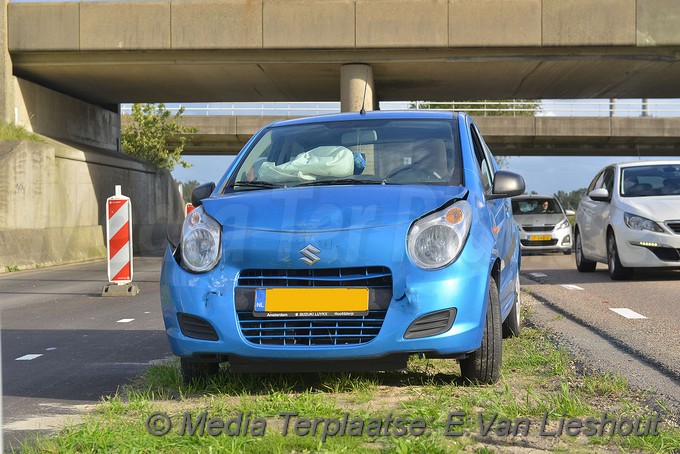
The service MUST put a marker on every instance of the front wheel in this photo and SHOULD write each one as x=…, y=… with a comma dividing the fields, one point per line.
x=617, y=272
x=483, y=366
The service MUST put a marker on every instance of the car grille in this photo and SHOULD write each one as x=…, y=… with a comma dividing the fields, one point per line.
x=306, y=331
x=674, y=226
x=552, y=242
x=667, y=254
x=538, y=228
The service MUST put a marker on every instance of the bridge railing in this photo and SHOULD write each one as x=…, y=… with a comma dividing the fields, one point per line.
x=659, y=108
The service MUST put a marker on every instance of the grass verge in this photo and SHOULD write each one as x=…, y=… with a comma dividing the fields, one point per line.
x=542, y=403
x=14, y=132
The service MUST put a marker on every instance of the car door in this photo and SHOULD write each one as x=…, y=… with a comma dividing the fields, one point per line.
x=594, y=222
x=500, y=213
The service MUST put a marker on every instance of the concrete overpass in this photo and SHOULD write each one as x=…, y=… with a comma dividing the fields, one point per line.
x=66, y=67
x=105, y=53
x=514, y=136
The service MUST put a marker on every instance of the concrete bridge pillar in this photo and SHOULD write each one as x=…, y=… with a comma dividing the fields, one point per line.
x=356, y=88
x=6, y=78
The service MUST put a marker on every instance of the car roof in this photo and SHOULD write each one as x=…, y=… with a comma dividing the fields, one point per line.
x=371, y=115
x=647, y=163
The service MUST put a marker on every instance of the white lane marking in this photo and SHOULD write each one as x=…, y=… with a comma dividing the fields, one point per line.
x=29, y=357
x=572, y=287
x=625, y=312
x=125, y=320
x=50, y=349
x=538, y=275
x=147, y=312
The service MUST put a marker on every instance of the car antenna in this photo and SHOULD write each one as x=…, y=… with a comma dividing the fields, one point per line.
x=363, y=101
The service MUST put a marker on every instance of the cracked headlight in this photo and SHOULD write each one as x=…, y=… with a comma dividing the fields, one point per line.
x=201, y=239
x=435, y=240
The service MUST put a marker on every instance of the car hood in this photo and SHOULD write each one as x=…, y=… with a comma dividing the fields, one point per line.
x=328, y=208
x=539, y=219
x=659, y=208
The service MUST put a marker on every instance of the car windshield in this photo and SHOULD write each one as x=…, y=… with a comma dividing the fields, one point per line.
x=652, y=180
x=535, y=206
x=391, y=151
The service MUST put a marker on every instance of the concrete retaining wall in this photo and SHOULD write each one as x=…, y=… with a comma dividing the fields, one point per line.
x=52, y=203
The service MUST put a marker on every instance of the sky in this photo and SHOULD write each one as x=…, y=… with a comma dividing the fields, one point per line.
x=543, y=174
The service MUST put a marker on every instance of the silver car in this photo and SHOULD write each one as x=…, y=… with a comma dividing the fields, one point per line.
x=543, y=224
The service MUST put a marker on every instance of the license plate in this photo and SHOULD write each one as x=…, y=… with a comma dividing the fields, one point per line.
x=540, y=238
x=311, y=302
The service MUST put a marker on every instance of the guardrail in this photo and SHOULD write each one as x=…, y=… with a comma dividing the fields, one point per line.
x=659, y=108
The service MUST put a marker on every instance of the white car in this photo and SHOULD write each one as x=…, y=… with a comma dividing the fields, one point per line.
x=630, y=218
x=543, y=224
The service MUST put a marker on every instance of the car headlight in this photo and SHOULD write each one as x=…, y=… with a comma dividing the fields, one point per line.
x=640, y=223
x=435, y=240
x=563, y=225
x=201, y=239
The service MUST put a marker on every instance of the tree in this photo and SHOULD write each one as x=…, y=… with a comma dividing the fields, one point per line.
x=569, y=200
x=187, y=188
x=146, y=137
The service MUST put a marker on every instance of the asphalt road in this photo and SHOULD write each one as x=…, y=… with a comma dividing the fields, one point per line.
x=88, y=345
x=64, y=346
x=601, y=318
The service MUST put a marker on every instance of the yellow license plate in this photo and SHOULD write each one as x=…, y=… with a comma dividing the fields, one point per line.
x=305, y=302
x=540, y=238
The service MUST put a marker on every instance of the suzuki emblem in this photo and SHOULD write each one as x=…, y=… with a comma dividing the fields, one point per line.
x=309, y=252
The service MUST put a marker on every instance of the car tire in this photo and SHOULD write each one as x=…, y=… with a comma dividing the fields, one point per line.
x=617, y=272
x=483, y=366
x=511, y=325
x=582, y=263
x=193, y=370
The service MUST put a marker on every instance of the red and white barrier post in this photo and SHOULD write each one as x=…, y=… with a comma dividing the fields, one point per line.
x=119, y=246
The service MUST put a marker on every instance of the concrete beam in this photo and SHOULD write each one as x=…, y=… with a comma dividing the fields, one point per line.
x=547, y=136
x=224, y=24
x=45, y=26
x=58, y=116
x=589, y=23
x=501, y=23
x=125, y=25
x=657, y=22
x=294, y=24
x=401, y=23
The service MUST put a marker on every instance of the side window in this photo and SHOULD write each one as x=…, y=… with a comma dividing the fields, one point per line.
x=597, y=182
x=608, y=180
x=482, y=160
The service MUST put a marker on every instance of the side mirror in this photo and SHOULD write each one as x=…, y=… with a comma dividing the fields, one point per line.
x=570, y=212
x=506, y=184
x=599, y=195
x=201, y=192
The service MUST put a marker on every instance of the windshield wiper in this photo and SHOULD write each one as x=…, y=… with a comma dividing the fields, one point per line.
x=341, y=182
x=258, y=184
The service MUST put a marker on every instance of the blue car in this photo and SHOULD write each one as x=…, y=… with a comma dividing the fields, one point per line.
x=349, y=242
